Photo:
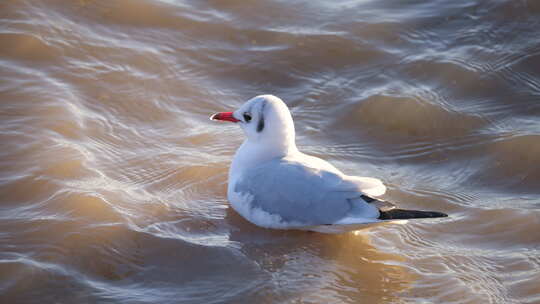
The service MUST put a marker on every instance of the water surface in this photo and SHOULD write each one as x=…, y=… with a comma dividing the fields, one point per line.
x=113, y=180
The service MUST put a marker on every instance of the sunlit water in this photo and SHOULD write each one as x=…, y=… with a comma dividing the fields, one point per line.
x=113, y=180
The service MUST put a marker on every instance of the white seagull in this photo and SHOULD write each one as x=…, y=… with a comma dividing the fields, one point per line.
x=274, y=185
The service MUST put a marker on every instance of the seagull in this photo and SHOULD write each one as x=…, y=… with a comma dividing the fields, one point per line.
x=274, y=185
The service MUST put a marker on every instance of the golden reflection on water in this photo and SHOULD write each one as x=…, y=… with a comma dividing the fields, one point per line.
x=323, y=267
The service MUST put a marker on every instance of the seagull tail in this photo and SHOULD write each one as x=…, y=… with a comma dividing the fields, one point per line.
x=402, y=214
x=388, y=211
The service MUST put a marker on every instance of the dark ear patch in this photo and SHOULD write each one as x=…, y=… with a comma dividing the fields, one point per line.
x=260, y=125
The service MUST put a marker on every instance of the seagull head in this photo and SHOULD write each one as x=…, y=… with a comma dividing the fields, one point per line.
x=265, y=120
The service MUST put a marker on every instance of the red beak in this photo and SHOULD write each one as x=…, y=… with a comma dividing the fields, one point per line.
x=225, y=116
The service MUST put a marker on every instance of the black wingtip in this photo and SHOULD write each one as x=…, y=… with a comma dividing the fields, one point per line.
x=402, y=214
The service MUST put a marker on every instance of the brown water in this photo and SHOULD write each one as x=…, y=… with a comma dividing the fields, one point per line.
x=113, y=180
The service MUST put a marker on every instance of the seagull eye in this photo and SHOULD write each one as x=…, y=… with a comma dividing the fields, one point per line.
x=247, y=117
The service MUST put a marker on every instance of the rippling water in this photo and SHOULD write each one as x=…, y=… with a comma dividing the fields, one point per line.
x=113, y=180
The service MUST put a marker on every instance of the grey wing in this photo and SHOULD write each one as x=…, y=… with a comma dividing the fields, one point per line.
x=298, y=193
